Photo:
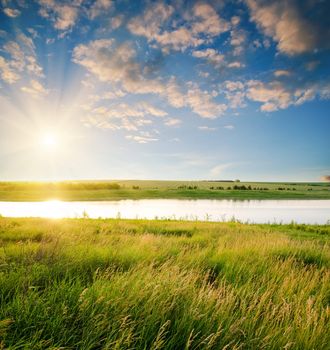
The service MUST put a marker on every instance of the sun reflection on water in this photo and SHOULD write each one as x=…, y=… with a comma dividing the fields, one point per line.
x=300, y=211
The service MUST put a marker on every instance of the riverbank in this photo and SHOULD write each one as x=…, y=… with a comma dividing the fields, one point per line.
x=82, y=283
x=138, y=189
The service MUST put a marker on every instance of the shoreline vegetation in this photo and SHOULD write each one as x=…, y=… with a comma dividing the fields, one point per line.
x=139, y=284
x=144, y=189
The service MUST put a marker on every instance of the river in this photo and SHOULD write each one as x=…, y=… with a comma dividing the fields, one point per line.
x=252, y=211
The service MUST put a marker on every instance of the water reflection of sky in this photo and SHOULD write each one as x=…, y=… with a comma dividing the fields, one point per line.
x=258, y=211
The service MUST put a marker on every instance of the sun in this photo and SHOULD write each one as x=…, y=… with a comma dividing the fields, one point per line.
x=49, y=141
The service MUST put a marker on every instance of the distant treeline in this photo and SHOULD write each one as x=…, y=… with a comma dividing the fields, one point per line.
x=235, y=187
x=58, y=186
x=220, y=181
x=242, y=187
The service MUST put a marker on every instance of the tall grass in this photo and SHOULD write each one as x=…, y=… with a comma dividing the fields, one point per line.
x=129, y=284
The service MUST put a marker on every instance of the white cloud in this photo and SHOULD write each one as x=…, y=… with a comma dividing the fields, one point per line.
x=234, y=92
x=117, y=65
x=102, y=59
x=210, y=55
x=235, y=20
x=35, y=89
x=149, y=109
x=150, y=23
x=236, y=64
x=17, y=55
x=173, y=94
x=305, y=95
x=282, y=73
x=11, y=12
x=284, y=22
x=99, y=7
x=63, y=15
x=233, y=85
x=207, y=21
x=140, y=109
x=203, y=74
x=7, y=73
x=155, y=24
x=216, y=58
x=236, y=98
x=116, y=21
x=274, y=95
x=202, y=104
x=108, y=95
x=22, y=59
x=33, y=67
x=173, y=122
x=33, y=33
x=237, y=37
x=200, y=101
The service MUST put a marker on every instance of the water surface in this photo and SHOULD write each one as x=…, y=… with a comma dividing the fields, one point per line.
x=253, y=211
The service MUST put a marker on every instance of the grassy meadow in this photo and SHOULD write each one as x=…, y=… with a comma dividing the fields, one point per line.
x=144, y=189
x=135, y=284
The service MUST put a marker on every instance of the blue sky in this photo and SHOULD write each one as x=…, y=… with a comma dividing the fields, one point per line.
x=164, y=90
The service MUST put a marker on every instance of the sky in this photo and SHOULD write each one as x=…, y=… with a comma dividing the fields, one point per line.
x=165, y=90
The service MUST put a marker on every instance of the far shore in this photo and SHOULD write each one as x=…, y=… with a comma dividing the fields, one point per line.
x=147, y=189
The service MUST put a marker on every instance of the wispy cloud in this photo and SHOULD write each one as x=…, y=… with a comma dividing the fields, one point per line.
x=35, y=89
x=141, y=139
x=282, y=73
x=10, y=12
x=219, y=170
x=229, y=127
x=206, y=128
x=123, y=116
x=173, y=122
x=99, y=7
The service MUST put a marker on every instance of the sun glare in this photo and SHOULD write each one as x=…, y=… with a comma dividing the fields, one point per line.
x=49, y=141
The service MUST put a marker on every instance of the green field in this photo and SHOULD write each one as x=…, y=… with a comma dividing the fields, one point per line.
x=129, y=284
x=139, y=189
